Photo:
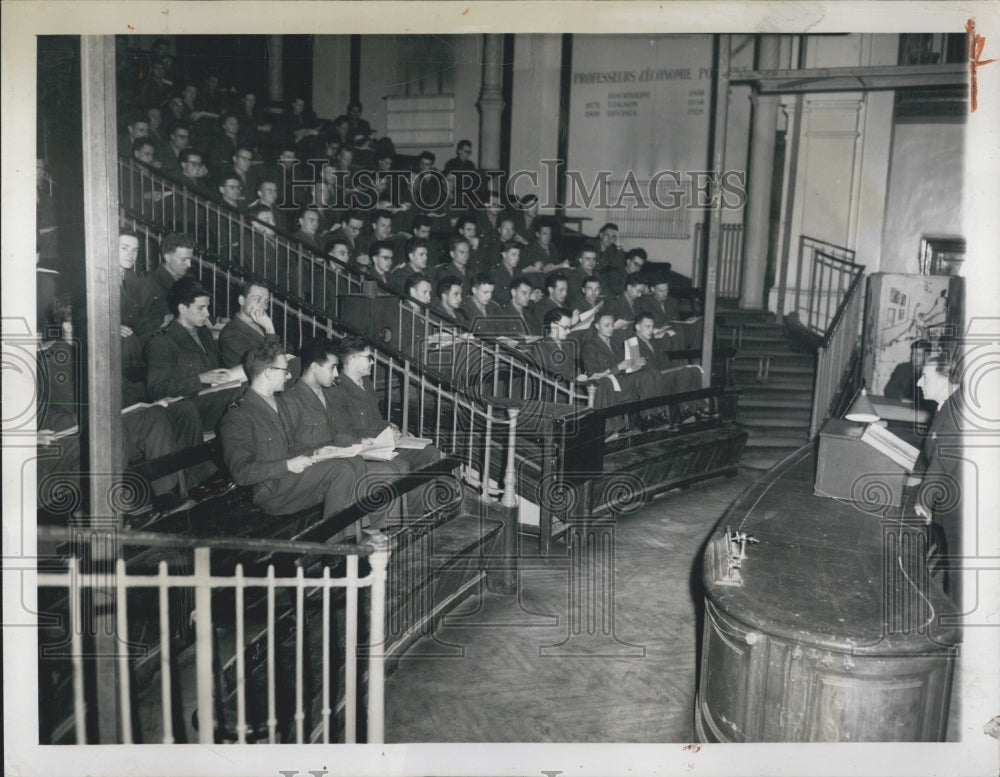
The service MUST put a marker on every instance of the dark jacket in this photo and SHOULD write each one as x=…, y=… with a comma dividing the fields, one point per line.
x=174, y=361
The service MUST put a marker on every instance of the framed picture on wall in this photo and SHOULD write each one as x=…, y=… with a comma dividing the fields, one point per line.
x=941, y=254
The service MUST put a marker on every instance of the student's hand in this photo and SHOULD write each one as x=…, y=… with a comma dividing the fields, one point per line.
x=621, y=323
x=582, y=377
x=367, y=442
x=219, y=324
x=259, y=316
x=396, y=434
x=166, y=401
x=46, y=437
x=167, y=319
x=536, y=295
x=299, y=464
x=576, y=318
x=923, y=512
x=642, y=361
x=126, y=331
x=214, y=377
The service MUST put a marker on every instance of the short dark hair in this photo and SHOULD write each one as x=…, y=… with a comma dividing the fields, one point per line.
x=184, y=292
x=421, y=220
x=381, y=213
x=482, y=278
x=260, y=357
x=187, y=153
x=350, y=346
x=249, y=282
x=174, y=240
x=463, y=143
x=455, y=240
x=554, y=315
x=609, y=225
x=317, y=350
x=506, y=245
x=255, y=210
x=587, y=247
x=427, y=155
x=545, y=221
x=553, y=278
x=137, y=117
x=414, y=243
x=339, y=240
x=591, y=279
x=636, y=252
x=444, y=285
x=463, y=220
x=519, y=281
x=352, y=215
x=379, y=245
x=635, y=279
x=413, y=281
x=142, y=142
x=643, y=316
x=181, y=126
x=132, y=233
x=306, y=208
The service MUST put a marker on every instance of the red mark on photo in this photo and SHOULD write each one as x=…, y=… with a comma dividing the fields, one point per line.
x=976, y=45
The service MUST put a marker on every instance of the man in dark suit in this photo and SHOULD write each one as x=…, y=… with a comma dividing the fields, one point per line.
x=666, y=377
x=259, y=451
x=354, y=403
x=416, y=264
x=663, y=308
x=613, y=279
x=249, y=327
x=558, y=291
x=449, y=300
x=583, y=271
x=506, y=272
x=609, y=255
x=182, y=358
x=382, y=254
x=458, y=250
x=517, y=313
x=480, y=308
x=624, y=307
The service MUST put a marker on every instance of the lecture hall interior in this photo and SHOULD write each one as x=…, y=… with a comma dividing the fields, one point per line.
x=506, y=387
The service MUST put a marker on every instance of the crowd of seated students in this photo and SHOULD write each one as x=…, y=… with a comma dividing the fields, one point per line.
x=492, y=266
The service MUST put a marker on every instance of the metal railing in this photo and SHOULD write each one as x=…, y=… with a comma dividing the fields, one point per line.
x=729, y=278
x=304, y=277
x=457, y=415
x=834, y=357
x=824, y=275
x=251, y=593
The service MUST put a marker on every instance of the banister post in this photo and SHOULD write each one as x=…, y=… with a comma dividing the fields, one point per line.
x=379, y=562
x=502, y=575
x=591, y=394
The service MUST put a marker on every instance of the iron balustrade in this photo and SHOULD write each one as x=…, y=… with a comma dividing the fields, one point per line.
x=75, y=580
x=834, y=357
x=308, y=280
x=824, y=275
x=456, y=415
x=729, y=276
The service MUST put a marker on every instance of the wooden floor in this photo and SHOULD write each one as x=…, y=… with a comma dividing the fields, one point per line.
x=505, y=670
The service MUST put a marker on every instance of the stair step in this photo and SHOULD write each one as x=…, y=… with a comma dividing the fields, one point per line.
x=746, y=381
x=752, y=403
x=774, y=416
x=776, y=366
x=776, y=355
x=757, y=424
x=775, y=441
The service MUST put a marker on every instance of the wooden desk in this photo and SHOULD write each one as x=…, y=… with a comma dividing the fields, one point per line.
x=824, y=639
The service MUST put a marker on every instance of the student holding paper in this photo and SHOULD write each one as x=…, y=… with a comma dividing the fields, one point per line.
x=355, y=406
x=260, y=452
x=182, y=358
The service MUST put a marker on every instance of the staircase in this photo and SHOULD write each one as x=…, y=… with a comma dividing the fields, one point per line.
x=775, y=381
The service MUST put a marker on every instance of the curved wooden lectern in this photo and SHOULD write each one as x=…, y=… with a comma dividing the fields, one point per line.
x=821, y=622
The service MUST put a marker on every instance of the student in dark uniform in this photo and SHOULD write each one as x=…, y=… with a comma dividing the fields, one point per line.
x=517, y=312
x=259, y=451
x=249, y=327
x=354, y=401
x=458, y=250
x=182, y=358
x=449, y=299
x=505, y=272
x=416, y=264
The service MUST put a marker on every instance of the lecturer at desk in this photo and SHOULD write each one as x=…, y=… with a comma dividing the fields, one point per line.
x=939, y=499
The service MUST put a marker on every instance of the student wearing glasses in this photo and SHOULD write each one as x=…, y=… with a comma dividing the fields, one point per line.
x=260, y=452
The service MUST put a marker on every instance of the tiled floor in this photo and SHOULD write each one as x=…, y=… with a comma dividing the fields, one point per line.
x=514, y=670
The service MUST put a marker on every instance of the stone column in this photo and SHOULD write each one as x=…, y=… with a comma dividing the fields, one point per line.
x=758, y=209
x=275, y=71
x=491, y=102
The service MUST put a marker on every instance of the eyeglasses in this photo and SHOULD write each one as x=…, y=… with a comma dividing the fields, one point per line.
x=283, y=369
